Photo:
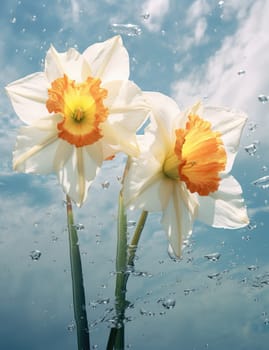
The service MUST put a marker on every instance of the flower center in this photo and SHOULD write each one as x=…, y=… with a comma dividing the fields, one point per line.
x=82, y=108
x=198, y=157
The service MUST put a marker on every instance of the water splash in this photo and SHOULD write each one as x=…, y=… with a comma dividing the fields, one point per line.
x=128, y=29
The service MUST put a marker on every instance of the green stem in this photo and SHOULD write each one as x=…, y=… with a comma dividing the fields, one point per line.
x=137, y=234
x=121, y=264
x=83, y=338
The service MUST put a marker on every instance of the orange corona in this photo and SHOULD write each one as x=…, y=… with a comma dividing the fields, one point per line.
x=82, y=108
x=198, y=157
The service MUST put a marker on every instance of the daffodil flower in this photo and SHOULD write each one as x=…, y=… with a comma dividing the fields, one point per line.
x=80, y=111
x=183, y=168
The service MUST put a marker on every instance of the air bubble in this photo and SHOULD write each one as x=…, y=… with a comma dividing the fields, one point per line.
x=126, y=29
x=13, y=20
x=253, y=267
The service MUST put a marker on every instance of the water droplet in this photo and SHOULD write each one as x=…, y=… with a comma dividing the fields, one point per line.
x=105, y=185
x=253, y=267
x=104, y=301
x=266, y=321
x=13, y=20
x=252, y=225
x=131, y=223
x=262, y=182
x=241, y=72
x=252, y=126
x=214, y=275
x=213, y=256
x=168, y=303
x=263, y=98
x=187, y=291
x=71, y=327
x=144, y=312
x=251, y=149
x=35, y=254
x=79, y=227
x=172, y=255
x=246, y=238
x=145, y=16
x=126, y=29
x=141, y=274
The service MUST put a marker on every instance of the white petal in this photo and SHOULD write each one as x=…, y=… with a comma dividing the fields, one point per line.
x=109, y=60
x=127, y=112
x=28, y=97
x=145, y=184
x=224, y=208
x=230, y=124
x=178, y=216
x=71, y=63
x=167, y=116
x=79, y=171
x=35, y=150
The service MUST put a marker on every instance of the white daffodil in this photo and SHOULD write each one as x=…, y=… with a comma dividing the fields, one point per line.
x=80, y=111
x=183, y=168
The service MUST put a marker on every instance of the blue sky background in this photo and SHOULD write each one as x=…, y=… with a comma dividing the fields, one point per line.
x=215, y=51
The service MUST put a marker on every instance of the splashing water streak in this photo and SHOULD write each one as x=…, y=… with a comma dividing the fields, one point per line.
x=126, y=29
x=262, y=182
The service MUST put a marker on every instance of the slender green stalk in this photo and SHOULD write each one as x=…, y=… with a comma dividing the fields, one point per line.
x=83, y=337
x=137, y=234
x=121, y=264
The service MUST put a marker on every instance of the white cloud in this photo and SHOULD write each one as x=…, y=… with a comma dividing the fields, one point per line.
x=75, y=10
x=198, y=9
x=156, y=9
x=218, y=78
